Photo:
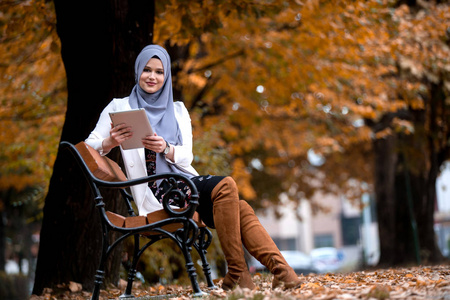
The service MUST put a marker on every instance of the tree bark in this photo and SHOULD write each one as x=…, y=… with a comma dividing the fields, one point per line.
x=406, y=168
x=100, y=41
x=2, y=241
x=385, y=161
x=436, y=153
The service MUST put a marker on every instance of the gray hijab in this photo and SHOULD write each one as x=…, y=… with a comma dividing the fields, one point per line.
x=159, y=105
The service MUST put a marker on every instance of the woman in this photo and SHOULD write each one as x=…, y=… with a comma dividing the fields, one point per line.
x=170, y=150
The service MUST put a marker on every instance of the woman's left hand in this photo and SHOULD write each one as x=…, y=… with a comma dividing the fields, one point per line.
x=154, y=142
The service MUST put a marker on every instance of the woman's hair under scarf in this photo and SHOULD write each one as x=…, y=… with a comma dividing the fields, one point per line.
x=159, y=105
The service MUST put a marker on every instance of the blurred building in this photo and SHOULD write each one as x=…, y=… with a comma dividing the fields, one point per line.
x=351, y=227
x=341, y=225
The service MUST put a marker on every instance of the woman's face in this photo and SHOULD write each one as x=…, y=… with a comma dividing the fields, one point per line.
x=152, y=77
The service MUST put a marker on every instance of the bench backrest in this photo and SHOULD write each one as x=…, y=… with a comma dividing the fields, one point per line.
x=101, y=166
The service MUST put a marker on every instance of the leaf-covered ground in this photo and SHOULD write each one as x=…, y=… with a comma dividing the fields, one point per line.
x=426, y=282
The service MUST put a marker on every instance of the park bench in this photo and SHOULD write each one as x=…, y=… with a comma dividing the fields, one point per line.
x=180, y=224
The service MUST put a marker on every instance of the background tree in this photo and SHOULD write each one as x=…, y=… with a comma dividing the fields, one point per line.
x=414, y=139
x=98, y=41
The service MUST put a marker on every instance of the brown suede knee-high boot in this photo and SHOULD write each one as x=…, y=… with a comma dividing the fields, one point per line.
x=259, y=244
x=225, y=199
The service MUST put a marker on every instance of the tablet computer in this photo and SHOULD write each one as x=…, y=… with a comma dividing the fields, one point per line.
x=137, y=119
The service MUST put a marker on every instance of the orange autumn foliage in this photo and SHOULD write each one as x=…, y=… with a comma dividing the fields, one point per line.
x=289, y=76
x=33, y=94
x=267, y=80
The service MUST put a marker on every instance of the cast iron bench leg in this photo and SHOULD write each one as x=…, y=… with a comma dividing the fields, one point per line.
x=99, y=277
x=201, y=249
x=191, y=272
x=97, y=283
x=132, y=271
x=182, y=240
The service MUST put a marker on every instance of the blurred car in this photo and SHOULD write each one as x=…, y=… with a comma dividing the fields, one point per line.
x=327, y=259
x=299, y=261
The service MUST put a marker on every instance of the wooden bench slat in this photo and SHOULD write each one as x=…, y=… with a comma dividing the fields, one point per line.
x=101, y=166
x=116, y=219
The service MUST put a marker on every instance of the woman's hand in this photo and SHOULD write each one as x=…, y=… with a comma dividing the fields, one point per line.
x=154, y=142
x=158, y=144
x=117, y=135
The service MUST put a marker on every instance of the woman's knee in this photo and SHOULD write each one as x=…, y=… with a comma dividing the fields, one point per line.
x=227, y=186
x=231, y=184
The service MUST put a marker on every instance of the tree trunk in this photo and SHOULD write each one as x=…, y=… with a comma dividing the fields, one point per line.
x=406, y=167
x=2, y=241
x=436, y=153
x=401, y=195
x=385, y=161
x=100, y=41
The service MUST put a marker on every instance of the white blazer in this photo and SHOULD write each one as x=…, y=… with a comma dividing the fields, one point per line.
x=134, y=159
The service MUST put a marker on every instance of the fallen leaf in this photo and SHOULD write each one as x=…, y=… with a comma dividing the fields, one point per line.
x=75, y=287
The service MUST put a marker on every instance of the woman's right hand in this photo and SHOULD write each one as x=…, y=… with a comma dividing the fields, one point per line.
x=117, y=135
